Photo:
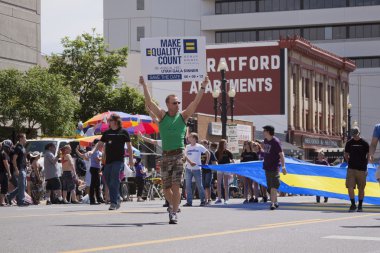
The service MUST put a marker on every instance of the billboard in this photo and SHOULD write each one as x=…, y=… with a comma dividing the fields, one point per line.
x=256, y=72
x=173, y=59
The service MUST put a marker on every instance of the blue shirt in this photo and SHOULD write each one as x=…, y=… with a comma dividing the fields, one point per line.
x=139, y=170
x=376, y=132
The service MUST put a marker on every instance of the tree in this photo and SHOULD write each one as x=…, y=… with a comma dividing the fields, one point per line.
x=90, y=71
x=125, y=99
x=10, y=87
x=47, y=102
x=36, y=99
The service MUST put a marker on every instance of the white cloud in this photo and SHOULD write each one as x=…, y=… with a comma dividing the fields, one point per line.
x=60, y=18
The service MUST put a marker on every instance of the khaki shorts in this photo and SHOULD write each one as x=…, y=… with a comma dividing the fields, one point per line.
x=356, y=177
x=172, y=169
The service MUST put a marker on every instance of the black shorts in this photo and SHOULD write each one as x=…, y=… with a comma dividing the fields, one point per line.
x=53, y=184
x=273, y=179
x=4, y=183
x=68, y=183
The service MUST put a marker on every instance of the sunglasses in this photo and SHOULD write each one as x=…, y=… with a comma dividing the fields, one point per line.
x=176, y=103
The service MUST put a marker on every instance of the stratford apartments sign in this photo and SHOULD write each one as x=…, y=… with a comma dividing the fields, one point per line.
x=256, y=73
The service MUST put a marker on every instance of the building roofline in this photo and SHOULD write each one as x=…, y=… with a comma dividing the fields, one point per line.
x=304, y=46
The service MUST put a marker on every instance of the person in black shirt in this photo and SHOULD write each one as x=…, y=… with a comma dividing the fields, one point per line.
x=5, y=173
x=248, y=155
x=224, y=156
x=356, y=154
x=114, y=139
x=19, y=165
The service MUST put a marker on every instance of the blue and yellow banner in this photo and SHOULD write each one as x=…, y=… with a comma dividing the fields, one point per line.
x=308, y=178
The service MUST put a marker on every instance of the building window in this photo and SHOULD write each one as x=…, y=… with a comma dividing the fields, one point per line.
x=140, y=32
x=140, y=5
x=307, y=88
x=332, y=95
x=320, y=92
x=367, y=62
x=339, y=32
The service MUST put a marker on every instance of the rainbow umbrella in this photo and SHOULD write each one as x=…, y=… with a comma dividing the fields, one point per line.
x=101, y=124
x=145, y=125
x=87, y=141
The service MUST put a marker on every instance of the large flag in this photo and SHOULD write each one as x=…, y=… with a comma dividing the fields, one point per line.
x=308, y=178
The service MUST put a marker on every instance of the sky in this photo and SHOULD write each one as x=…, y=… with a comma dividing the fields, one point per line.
x=60, y=18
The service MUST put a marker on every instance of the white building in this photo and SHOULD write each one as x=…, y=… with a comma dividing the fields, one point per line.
x=349, y=28
x=20, y=33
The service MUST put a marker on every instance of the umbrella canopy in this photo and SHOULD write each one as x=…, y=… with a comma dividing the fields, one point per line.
x=87, y=141
x=126, y=118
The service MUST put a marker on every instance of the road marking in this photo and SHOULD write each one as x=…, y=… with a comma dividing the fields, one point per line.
x=228, y=232
x=84, y=213
x=346, y=237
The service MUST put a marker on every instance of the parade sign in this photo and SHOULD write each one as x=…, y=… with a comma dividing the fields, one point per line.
x=255, y=71
x=233, y=142
x=173, y=59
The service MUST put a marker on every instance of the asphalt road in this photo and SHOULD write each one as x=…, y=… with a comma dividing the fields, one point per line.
x=298, y=225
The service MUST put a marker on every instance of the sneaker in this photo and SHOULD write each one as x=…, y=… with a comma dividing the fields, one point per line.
x=112, y=207
x=66, y=202
x=188, y=204
x=245, y=201
x=255, y=201
x=48, y=202
x=360, y=209
x=264, y=200
x=276, y=205
x=173, y=218
x=208, y=203
x=272, y=206
x=251, y=200
x=118, y=205
x=25, y=204
x=352, y=208
x=219, y=201
x=226, y=202
x=202, y=203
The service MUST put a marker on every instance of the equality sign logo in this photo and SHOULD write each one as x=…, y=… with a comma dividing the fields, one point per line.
x=173, y=59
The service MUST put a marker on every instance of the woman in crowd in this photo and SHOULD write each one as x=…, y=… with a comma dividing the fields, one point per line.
x=249, y=155
x=5, y=173
x=224, y=156
x=36, y=180
x=95, y=166
x=68, y=175
x=260, y=153
x=140, y=175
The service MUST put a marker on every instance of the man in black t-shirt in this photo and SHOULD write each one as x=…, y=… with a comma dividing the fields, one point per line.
x=356, y=154
x=18, y=160
x=114, y=140
x=5, y=173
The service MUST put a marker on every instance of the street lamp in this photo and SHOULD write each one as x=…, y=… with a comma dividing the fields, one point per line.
x=349, y=106
x=223, y=105
x=344, y=124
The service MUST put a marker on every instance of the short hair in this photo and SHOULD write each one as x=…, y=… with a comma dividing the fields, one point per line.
x=269, y=128
x=116, y=117
x=168, y=97
x=21, y=135
x=205, y=141
x=321, y=153
x=49, y=145
x=194, y=135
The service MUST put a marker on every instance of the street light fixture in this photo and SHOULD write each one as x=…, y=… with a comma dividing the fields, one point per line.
x=222, y=67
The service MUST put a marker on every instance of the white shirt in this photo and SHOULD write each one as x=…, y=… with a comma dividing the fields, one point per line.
x=194, y=154
x=90, y=132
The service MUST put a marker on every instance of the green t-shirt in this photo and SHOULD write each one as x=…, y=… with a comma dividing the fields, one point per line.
x=172, y=132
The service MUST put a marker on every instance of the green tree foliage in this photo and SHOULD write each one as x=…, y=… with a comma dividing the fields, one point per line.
x=91, y=71
x=37, y=99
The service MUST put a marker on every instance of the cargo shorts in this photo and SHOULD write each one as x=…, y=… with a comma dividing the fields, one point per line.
x=356, y=178
x=172, y=169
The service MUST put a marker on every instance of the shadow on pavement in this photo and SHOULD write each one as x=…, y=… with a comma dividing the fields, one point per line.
x=360, y=226
x=116, y=225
